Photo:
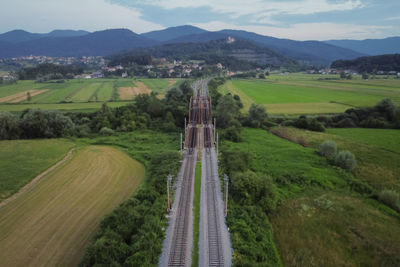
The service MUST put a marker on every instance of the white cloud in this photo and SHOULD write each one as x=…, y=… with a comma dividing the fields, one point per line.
x=92, y=15
x=393, y=18
x=262, y=10
x=305, y=31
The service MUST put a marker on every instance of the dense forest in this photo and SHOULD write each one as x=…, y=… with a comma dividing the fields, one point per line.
x=371, y=64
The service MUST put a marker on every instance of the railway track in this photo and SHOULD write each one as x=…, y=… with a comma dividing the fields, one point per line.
x=179, y=249
x=214, y=237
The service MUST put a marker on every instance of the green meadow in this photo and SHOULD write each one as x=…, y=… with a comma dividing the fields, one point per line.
x=312, y=94
x=322, y=218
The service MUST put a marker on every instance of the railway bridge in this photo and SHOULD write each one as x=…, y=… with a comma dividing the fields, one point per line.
x=214, y=241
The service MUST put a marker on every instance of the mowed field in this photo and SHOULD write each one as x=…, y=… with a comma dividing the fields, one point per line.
x=53, y=222
x=22, y=160
x=78, y=94
x=311, y=94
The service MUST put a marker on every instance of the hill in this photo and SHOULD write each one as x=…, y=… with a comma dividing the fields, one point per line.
x=18, y=36
x=99, y=43
x=238, y=55
x=371, y=47
x=370, y=64
x=308, y=52
x=173, y=33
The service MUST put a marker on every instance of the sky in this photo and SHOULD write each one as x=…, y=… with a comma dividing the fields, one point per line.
x=293, y=19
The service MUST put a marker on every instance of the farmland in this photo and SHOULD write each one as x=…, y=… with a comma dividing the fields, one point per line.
x=22, y=160
x=52, y=223
x=78, y=94
x=319, y=221
x=312, y=94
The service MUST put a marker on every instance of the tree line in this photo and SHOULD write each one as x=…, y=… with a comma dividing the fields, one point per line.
x=370, y=64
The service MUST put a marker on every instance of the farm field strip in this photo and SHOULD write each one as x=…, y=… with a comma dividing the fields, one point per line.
x=22, y=160
x=21, y=86
x=86, y=92
x=105, y=92
x=129, y=93
x=52, y=223
x=19, y=97
x=62, y=106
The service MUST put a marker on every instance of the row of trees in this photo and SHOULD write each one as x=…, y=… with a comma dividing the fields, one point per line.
x=49, y=71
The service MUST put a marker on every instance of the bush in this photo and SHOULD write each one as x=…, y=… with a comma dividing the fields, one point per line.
x=328, y=149
x=346, y=160
x=106, y=131
x=390, y=198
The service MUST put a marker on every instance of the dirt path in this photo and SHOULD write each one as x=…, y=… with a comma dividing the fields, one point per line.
x=35, y=180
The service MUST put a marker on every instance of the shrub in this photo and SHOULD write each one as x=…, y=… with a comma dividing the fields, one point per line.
x=106, y=131
x=346, y=160
x=328, y=149
x=390, y=198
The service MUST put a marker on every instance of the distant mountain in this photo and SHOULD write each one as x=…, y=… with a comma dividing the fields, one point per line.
x=389, y=45
x=79, y=43
x=172, y=33
x=18, y=36
x=99, y=43
x=308, y=52
x=66, y=33
x=237, y=55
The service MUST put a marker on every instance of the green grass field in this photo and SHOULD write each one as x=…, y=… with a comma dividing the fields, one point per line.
x=22, y=160
x=310, y=94
x=80, y=94
x=53, y=222
x=376, y=150
x=319, y=221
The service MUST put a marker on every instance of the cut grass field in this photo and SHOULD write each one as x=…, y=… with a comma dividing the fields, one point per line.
x=319, y=221
x=22, y=160
x=376, y=150
x=129, y=93
x=52, y=223
x=81, y=94
x=307, y=94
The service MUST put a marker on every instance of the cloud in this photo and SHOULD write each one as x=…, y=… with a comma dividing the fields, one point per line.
x=305, y=31
x=392, y=18
x=92, y=15
x=261, y=10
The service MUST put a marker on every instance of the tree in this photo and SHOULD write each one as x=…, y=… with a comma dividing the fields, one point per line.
x=227, y=111
x=257, y=115
x=9, y=126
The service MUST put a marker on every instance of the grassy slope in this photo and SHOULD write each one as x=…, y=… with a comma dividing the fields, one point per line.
x=308, y=94
x=22, y=160
x=52, y=223
x=376, y=151
x=383, y=138
x=319, y=222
